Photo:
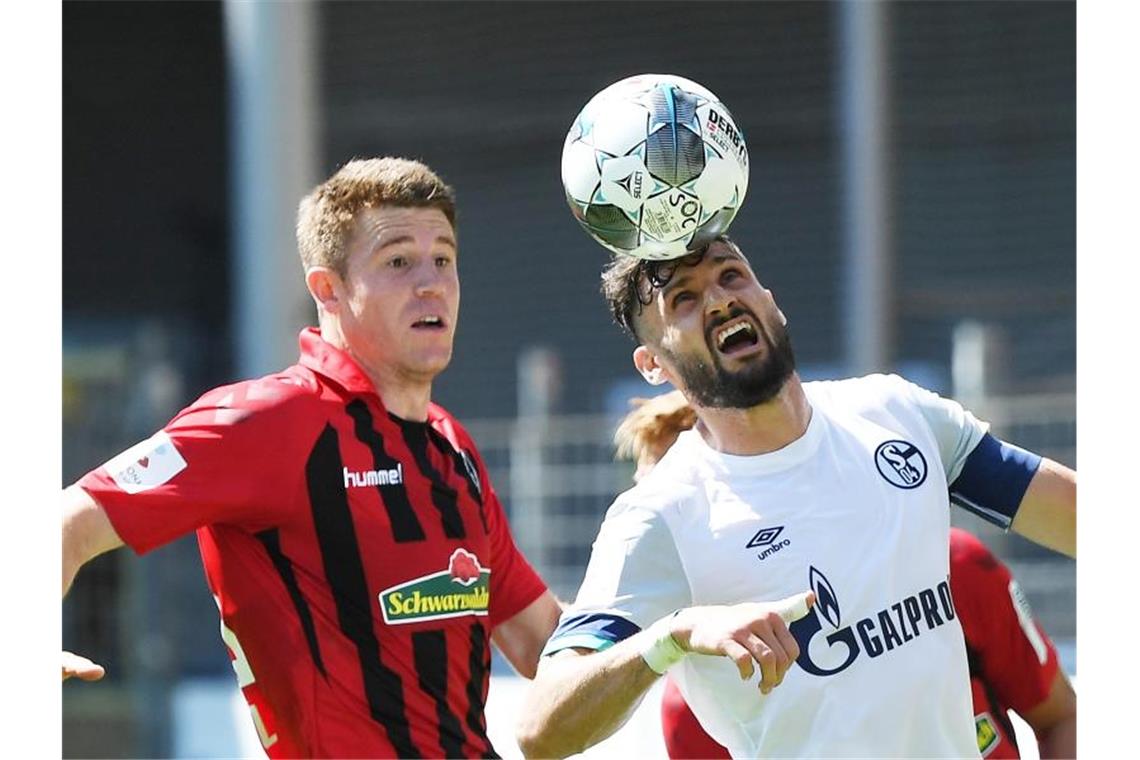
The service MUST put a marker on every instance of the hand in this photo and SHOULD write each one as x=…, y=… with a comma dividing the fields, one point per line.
x=746, y=633
x=80, y=667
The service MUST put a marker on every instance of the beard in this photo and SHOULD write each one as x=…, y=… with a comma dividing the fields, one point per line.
x=712, y=385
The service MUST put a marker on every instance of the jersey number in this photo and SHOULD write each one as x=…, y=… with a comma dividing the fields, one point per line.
x=245, y=678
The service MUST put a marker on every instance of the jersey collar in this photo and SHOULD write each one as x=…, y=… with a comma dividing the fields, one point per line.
x=328, y=360
x=796, y=452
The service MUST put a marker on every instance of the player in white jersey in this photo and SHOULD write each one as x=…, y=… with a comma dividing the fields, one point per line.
x=784, y=494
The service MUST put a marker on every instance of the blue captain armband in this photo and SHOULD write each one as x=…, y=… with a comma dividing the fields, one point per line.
x=589, y=630
x=993, y=480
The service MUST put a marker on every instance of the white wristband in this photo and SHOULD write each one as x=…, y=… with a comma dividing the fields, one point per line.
x=661, y=650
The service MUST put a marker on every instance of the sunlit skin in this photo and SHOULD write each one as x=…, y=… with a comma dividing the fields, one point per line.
x=395, y=309
x=681, y=322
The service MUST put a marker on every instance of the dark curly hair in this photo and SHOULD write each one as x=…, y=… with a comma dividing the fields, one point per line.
x=628, y=283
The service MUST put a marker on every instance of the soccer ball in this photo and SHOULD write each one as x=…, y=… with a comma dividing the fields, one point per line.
x=654, y=167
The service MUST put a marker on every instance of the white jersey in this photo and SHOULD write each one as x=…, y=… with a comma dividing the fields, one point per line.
x=857, y=510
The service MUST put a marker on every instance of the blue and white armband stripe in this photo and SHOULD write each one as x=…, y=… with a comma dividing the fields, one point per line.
x=994, y=479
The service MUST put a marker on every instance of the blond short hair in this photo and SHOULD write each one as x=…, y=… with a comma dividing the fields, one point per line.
x=326, y=216
x=651, y=427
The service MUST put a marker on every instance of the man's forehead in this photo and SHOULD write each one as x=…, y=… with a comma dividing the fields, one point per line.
x=718, y=253
x=387, y=224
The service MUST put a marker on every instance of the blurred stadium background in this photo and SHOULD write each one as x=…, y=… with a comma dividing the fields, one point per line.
x=931, y=145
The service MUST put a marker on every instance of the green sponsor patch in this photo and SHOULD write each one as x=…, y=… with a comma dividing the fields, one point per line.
x=435, y=596
x=987, y=733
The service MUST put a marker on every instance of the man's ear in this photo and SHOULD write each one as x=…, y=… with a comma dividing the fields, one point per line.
x=647, y=364
x=322, y=283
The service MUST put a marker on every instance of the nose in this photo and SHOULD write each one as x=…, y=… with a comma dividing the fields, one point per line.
x=718, y=300
x=430, y=280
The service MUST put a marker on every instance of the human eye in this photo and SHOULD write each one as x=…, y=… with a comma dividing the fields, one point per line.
x=398, y=262
x=731, y=275
x=442, y=261
x=681, y=298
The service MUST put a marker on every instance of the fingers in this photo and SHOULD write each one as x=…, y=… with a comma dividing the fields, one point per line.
x=751, y=634
x=795, y=607
x=75, y=666
x=740, y=655
x=771, y=653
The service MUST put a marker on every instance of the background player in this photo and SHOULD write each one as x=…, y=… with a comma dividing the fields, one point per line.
x=359, y=556
x=1013, y=663
x=856, y=475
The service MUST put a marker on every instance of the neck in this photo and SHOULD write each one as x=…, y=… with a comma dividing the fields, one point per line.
x=761, y=429
x=403, y=394
x=403, y=398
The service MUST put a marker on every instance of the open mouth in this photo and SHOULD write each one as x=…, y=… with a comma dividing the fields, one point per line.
x=429, y=322
x=735, y=337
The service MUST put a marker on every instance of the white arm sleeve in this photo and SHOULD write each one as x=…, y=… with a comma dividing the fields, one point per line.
x=955, y=428
x=634, y=577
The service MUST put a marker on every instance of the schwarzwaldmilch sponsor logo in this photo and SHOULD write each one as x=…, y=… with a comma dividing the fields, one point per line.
x=464, y=588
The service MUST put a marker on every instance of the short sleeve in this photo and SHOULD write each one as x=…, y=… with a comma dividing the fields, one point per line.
x=213, y=463
x=514, y=583
x=1015, y=656
x=955, y=428
x=633, y=579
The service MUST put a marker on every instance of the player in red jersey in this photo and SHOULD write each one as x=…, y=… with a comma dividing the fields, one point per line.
x=1013, y=664
x=359, y=557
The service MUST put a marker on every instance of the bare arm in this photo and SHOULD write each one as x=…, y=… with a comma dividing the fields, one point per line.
x=580, y=697
x=522, y=638
x=1048, y=511
x=1054, y=721
x=87, y=533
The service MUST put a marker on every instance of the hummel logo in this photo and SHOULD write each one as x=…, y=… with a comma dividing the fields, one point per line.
x=764, y=536
x=394, y=476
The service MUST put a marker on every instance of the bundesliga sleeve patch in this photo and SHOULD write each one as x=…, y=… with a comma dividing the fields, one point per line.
x=1025, y=617
x=146, y=465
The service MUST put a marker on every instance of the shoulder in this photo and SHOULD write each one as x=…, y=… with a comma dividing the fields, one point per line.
x=867, y=390
x=445, y=423
x=657, y=500
x=976, y=575
x=967, y=552
x=294, y=392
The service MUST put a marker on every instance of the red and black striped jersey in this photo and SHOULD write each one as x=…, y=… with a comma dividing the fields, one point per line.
x=1012, y=661
x=359, y=561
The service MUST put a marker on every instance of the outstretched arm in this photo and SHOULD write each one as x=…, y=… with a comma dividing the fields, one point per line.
x=1054, y=721
x=1048, y=511
x=580, y=697
x=87, y=533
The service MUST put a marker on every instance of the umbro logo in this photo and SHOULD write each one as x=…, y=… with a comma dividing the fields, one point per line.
x=766, y=537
